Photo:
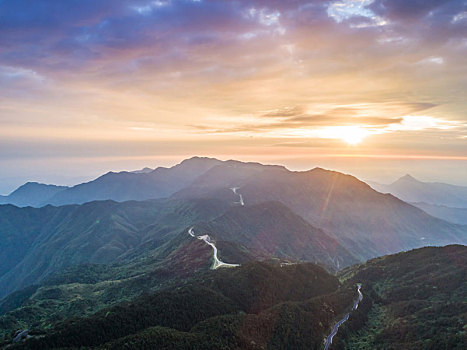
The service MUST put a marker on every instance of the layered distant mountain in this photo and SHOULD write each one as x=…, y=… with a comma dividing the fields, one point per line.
x=412, y=190
x=443, y=201
x=31, y=194
x=137, y=185
x=142, y=185
x=454, y=215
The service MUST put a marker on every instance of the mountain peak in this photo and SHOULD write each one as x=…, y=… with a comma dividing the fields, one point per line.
x=199, y=158
x=408, y=177
x=142, y=171
x=32, y=185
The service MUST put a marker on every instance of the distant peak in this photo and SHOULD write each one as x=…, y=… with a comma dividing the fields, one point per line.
x=198, y=158
x=408, y=177
x=142, y=171
x=32, y=183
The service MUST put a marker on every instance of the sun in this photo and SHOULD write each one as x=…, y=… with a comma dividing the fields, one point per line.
x=354, y=136
x=350, y=134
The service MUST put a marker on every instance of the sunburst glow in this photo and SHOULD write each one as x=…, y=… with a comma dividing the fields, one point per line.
x=352, y=135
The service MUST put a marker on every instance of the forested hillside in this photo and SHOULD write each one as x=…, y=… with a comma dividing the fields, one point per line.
x=413, y=300
x=248, y=307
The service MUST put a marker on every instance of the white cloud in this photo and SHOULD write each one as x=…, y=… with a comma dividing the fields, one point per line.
x=416, y=123
x=459, y=17
x=147, y=9
x=15, y=73
x=266, y=18
x=432, y=60
x=340, y=10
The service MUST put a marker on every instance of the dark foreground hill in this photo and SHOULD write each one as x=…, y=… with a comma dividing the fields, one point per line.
x=247, y=307
x=413, y=300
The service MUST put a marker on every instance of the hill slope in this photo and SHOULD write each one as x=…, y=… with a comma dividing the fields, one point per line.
x=39, y=242
x=232, y=308
x=274, y=230
x=454, y=215
x=364, y=221
x=414, y=300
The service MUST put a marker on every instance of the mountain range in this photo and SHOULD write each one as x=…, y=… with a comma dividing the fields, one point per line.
x=412, y=190
x=127, y=240
x=251, y=211
x=123, y=186
x=31, y=194
x=444, y=201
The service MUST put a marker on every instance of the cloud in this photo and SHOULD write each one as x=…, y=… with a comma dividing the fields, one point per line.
x=285, y=112
x=351, y=123
x=240, y=67
x=403, y=9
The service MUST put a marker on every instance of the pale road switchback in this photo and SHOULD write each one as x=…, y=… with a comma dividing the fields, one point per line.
x=234, y=190
x=216, y=263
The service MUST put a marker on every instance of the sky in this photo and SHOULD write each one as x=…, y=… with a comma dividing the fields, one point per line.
x=375, y=88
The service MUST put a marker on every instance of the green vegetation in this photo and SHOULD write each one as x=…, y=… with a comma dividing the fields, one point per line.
x=253, y=306
x=39, y=242
x=61, y=267
x=415, y=300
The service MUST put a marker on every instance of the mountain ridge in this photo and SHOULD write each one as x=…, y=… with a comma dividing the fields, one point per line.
x=344, y=216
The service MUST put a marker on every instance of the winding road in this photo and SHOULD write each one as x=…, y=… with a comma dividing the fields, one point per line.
x=234, y=190
x=217, y=263
x=345, y=318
